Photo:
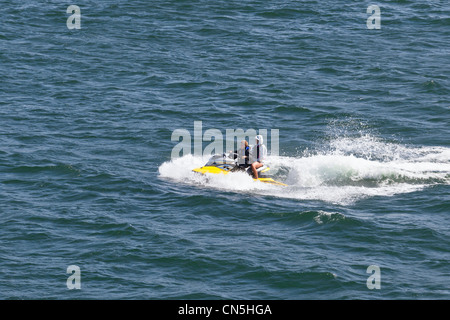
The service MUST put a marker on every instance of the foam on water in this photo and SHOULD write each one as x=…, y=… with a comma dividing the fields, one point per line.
x=180, y=170
x=349, y=169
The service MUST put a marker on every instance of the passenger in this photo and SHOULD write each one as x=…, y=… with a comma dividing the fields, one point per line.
x=259, y=153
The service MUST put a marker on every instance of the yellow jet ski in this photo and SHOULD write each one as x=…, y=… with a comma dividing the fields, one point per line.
x=223, y=164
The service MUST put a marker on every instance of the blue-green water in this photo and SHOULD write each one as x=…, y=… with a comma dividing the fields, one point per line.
x=87, y=179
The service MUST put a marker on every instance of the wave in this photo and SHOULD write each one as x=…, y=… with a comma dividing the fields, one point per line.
x=345, y=171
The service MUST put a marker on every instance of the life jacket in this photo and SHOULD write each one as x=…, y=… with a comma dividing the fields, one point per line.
x=243, y=152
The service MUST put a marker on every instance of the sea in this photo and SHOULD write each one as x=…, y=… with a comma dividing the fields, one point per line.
x=107, y=106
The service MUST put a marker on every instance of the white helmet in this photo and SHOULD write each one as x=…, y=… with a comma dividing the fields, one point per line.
x=259, y=138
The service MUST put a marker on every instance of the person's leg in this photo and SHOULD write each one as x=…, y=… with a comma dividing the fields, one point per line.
x=256, y=165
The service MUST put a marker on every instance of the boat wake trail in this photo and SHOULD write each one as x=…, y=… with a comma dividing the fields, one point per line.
x=345, y=171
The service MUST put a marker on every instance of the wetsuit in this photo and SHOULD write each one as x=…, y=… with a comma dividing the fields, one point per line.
x=239, y=153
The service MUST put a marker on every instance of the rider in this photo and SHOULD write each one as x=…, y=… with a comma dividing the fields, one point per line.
x=243, y=154
x=259, y=153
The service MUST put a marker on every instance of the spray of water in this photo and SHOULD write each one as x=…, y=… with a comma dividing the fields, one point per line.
x=346, y=170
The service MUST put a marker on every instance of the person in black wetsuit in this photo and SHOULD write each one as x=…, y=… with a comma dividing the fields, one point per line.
x=243, y=154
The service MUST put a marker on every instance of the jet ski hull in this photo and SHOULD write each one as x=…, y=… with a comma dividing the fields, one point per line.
x=225, y=169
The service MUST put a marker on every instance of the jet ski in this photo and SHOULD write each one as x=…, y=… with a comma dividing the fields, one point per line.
x=224, y=164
